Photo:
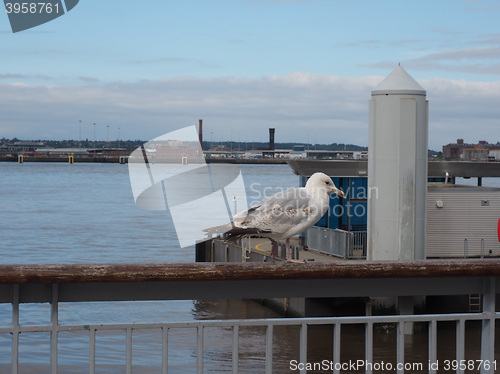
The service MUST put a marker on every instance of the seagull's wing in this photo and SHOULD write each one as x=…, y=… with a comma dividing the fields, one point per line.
x=280, y=213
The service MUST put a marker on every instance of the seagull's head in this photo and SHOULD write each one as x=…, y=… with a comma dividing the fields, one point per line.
x=323, y=181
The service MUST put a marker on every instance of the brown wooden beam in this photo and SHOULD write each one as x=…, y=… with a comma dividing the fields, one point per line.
x=84, y=273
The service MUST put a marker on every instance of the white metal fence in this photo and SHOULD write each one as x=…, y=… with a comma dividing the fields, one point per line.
x=286, y=280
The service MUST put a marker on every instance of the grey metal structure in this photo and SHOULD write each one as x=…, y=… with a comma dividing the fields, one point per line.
x=76, y=283
x=359, y=168
x=462, y=221
x=335, y=242
x=397, y=168
x=465, y=226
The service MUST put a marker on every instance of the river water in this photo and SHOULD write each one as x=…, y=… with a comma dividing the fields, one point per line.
x=85, y=213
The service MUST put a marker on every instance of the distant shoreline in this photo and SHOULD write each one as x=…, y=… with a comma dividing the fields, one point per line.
x=116, y=160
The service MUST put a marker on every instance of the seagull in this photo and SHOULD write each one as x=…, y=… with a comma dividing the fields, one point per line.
x=285, y=214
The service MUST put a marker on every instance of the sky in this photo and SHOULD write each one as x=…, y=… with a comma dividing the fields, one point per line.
x=139, y=69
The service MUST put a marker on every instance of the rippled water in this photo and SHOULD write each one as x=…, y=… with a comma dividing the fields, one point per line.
x=85, y=213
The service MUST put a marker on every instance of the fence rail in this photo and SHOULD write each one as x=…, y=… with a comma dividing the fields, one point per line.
x=332, y=242
x=338, y=243
x=77, y=283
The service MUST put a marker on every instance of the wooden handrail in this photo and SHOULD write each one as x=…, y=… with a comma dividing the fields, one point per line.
x=85, y=273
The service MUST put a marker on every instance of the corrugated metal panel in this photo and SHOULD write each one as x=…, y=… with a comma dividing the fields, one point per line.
x=465, y=214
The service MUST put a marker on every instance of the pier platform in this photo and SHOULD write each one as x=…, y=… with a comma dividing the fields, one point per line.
x=263, y=246
x=255, y=250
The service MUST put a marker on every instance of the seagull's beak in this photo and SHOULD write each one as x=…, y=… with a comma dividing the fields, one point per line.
x=338, y=192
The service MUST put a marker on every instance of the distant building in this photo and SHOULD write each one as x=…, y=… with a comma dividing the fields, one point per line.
x=455, y=150
x=482, y=151
x=298, y=152
x=20, y=146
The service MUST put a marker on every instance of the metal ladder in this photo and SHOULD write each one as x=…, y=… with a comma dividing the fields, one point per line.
x=475, y=303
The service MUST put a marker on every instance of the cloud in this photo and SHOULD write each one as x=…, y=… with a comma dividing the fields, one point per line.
x=446, y=31
x=479, y=60
x=301, y=106
x=478, y=53
x=236, y=41
x=376, y=44
x=462, y=109
x=493, y=38
x=176, y=61
x=13, y=76
x=283, y=1
x=163, y=60
x=483, y=6
x=89, y=79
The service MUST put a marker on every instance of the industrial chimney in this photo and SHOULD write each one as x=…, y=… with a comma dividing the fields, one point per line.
x=271, y=139
x=200, y=133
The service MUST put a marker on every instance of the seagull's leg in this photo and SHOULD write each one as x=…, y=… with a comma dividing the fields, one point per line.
x=289, y=253
x=274, y=247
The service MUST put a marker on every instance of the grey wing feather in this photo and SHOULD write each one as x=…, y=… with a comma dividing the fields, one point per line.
x=277, y=213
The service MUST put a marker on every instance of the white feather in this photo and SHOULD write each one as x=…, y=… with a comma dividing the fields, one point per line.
x=291, y=212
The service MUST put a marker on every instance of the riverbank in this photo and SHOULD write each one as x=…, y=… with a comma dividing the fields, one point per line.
x=116, y=160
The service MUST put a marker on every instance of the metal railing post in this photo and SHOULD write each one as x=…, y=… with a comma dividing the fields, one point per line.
x=269, y=349
x=92, y=333
x=303, y=346
x=400, y=345
x=336, y=347
x=164, y=350
x=460, y=346
x=432, y=346
x=200, y=349
x=369, y=346
x=236, y=351
x=128, y=358
x=54, y=321
x=15, y=328
x=488, y=326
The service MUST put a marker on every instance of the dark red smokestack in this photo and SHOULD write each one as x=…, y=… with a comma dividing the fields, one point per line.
x=200, y=133
x=271, y=139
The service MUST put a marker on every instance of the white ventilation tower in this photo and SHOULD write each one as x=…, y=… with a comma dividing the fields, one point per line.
x=397, y=169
